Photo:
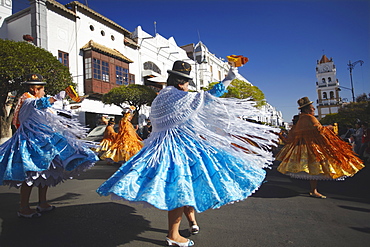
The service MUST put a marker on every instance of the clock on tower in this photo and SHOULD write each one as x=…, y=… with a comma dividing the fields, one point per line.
x=325, y=68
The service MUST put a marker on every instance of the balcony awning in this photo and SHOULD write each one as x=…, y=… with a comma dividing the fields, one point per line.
x=101, y=48
x=150, y=73
x=158, y=79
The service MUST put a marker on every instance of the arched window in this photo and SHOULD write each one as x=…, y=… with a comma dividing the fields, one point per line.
x=331, y=95
x=329, y=79
x=151, y=66
x=323, y=80
x=324, y=95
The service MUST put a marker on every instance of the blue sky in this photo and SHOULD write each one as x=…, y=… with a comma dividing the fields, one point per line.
x=282, y=39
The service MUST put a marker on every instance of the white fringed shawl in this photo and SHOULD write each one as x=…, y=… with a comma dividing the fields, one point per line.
x=216, y=121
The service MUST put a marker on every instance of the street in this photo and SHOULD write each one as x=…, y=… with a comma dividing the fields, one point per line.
x=280, y=213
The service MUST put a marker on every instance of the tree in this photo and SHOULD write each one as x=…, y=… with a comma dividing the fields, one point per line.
x=349, y=114
x=133, y=94
x=242, y=90
x=17, y=59
x=363, y=97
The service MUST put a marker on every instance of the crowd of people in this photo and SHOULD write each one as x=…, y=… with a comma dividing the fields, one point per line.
x=194, y=154
x=358, y=138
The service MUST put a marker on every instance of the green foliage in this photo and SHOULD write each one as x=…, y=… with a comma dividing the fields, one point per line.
x=17, y=59
x=363, y=97
x=242, y=90
x=133, y=94
x=349, y=114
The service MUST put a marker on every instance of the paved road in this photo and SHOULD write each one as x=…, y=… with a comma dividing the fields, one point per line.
x=279, y=214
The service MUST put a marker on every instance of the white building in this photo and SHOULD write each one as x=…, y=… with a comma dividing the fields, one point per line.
x=101, y=54
x=327, y=87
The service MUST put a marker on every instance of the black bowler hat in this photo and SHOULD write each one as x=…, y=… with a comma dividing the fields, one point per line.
x=34, y=79
x=111, y=121
x=181, y=68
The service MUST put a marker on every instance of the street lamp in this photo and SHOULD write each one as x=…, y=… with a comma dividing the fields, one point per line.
x=351, y=66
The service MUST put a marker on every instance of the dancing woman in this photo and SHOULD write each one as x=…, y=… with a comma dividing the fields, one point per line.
x=126, y=143
x=44, y=150
x=199, y=155
x=109, y=137
x=315, y=152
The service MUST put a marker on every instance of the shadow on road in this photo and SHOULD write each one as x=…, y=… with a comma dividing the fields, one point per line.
x=353, y=188
x=101, y=170
x=102, y=224
x=270, y=190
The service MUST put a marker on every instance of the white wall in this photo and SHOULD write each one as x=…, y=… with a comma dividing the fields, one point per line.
x=18, y=27
x=159, y=50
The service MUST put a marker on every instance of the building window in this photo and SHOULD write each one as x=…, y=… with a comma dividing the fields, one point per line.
x=88, y=68
x=324, y=95
x=331, y=95
x=101, y=70
x=219, y=75
x=329, y=79
x=97, y=68
x=112, y=37
x=323, y=80
x=121, y=76
x=63, y=57
x=92, y=28
x=152, y=66
x=105, y=71
x=102, y=33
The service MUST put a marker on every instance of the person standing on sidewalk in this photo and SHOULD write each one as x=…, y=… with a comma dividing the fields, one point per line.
x=357, y=136
x=200, y=154
x=365, y=139
x=316, y=152
x=44, y=150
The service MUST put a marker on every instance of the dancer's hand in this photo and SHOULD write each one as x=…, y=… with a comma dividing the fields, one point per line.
x=231, y=75
x=60, y=96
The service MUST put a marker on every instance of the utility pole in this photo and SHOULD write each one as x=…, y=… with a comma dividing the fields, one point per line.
x=351, y=66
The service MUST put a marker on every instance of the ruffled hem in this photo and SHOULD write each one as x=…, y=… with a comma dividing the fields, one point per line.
x=115, y=197
x=306, y=176
x=51, y=178
x=188, y=172
x=319, y=152
x=120, y=155
x=103, y=146
x=44, y=150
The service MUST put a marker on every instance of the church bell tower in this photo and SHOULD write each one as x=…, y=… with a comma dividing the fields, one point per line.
x=327, y=88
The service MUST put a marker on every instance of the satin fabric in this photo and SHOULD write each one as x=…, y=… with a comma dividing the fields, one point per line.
x=108, y=139
x=176, y=171
x=44, y=150
x=315, y=152
x=192, y=157
x=125, y=144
